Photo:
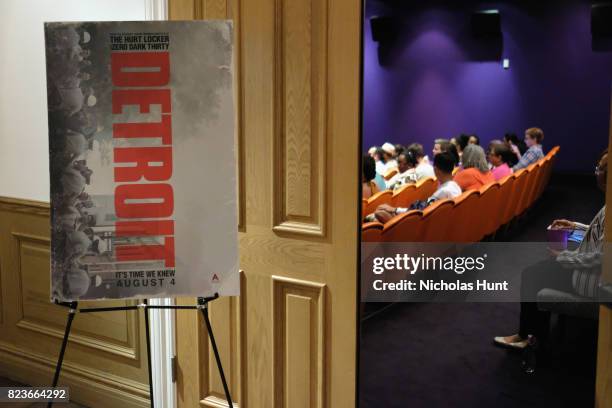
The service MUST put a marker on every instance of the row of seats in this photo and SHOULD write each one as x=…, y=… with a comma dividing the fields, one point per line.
x=470, y=217
x=402, y=197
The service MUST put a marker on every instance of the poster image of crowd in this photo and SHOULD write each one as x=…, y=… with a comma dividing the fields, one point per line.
x=142, y=159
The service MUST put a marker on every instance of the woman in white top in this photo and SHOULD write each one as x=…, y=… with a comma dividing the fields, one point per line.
x=424, y=168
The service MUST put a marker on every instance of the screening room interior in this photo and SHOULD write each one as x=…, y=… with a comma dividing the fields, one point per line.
x=483, y=123
x=337, y=104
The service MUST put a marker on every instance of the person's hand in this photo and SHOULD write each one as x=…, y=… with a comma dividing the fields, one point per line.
x=384, y=213
x=515, y=150
x=386, y=207
x=553, y=252
x=563, y=224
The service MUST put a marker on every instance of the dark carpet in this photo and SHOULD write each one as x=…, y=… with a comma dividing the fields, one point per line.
x=423, y=355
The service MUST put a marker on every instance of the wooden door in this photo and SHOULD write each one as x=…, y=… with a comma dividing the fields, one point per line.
x=290, y=339
x=603, y=389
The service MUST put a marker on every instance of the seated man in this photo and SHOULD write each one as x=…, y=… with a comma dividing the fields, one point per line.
x=576, y=271
x=443, y=168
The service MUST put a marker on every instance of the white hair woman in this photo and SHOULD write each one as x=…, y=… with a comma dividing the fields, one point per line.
x=475, y=171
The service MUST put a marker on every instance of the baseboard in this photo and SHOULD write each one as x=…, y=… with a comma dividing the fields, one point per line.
x=94, y=388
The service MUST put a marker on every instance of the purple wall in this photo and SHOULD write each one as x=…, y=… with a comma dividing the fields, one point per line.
x=433, y=87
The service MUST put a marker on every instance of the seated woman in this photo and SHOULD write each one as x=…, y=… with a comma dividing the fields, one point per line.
x=568, y=271
x=406, y=165
x=423, y=169
x=533, y=140
x=475, y=172
x=443, y=168
x=368, y=185
x=499, y=155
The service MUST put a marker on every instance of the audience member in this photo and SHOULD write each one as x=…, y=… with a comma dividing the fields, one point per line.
x=474, y=139
x=576, y=272
x=423, y=168
x=462, y=141
x=388, y=158
x=499, y=155
x=379, y=158
x=437, y=148
x=475, y=171
x=399, y=149
x=406, y=165
x=533, y=140
x=452, y=149
x=368, y=185
x=517, y=147
x=443, y=167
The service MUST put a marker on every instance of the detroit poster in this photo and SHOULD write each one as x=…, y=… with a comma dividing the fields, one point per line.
x=142, y=159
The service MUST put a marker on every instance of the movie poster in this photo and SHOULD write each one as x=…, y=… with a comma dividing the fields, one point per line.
x=142, y=159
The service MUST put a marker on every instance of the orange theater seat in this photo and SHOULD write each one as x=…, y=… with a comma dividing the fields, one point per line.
x=382, y=197
x=371, y=232
x=437, y=221
x=488, y=219
x=387, y=176
x=537, y=180
x=531, y=174
x=405, y=227
x=506, y=185
x=513, y=208
x=426, y=187
x=404, y=196
x=364, y=207
x=464, y=217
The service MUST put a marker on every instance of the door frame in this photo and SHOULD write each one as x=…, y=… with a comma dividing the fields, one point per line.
x=162, y=321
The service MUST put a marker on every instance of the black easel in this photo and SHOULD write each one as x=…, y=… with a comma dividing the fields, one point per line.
x=202, y=305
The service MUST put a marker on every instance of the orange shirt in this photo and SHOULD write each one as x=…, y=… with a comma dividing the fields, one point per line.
x=472, y=179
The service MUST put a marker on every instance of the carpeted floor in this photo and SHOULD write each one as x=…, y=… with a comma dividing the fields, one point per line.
x=419, y=355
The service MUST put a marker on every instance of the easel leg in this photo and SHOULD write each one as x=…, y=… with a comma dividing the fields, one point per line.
x=148, y=335
x=216, y=352
x=71, y=312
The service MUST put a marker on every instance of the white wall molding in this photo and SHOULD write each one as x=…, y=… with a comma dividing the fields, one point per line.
x=161, y=320
x=162, y=350
x=156, y=9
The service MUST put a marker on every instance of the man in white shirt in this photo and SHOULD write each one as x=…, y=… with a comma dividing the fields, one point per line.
x=443, y=168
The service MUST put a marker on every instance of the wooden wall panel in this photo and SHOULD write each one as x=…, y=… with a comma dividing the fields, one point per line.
x=104, y=363
x=299, y=339
x=300, y=116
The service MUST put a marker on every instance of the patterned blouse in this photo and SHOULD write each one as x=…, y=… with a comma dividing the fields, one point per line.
x=586, y=260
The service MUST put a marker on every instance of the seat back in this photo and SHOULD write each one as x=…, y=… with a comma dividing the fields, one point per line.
x=532, y=173
x=506, y=185
x=437, y=222
x=464, y=217
x=518, y=184
x=387, y=176
x=406, y=227
x=404, y=196
x=382, y=197
x=488, y=209
x=371, y=232
x=364, y=207
x=426, y=187
x=539, y=182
